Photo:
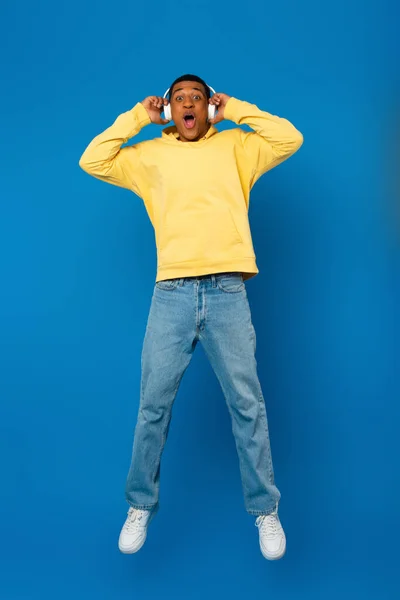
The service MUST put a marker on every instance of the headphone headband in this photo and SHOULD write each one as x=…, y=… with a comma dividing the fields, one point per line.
x=209, y=87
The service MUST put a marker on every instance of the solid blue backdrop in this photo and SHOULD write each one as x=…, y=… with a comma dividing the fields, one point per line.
x=78, y=265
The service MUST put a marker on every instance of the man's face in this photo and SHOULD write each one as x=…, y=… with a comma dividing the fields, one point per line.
x=189, y=108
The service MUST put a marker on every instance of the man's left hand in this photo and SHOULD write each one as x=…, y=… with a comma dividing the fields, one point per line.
x=219, y=100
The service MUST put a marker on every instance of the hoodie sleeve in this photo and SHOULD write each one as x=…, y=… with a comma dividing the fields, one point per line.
x=106, y=160
x=273, y=140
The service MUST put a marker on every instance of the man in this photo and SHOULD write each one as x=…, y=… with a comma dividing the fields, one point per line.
x=195, y=183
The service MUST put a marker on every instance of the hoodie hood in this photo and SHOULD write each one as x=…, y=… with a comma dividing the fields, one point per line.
x=170, y=134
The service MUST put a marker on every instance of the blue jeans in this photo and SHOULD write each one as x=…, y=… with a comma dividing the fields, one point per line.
x=214, y=310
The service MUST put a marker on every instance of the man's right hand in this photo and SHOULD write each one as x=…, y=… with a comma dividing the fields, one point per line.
x=154, y=106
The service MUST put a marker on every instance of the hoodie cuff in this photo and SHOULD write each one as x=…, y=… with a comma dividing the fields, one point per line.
x=234, y=109
x=141, y=115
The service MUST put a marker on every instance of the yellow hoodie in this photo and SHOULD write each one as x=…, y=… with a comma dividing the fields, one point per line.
x=196, y=194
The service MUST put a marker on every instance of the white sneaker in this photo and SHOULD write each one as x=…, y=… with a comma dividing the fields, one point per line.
x=272, y=536
x=134, y=531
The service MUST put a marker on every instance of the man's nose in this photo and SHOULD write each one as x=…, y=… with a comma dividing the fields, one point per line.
x=188, y=103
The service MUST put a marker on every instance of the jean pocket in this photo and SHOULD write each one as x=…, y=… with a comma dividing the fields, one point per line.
x=231, y=283
x=167, y=284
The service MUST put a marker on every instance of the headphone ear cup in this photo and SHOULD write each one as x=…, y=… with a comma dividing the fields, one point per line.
x=167, y=112
x=211, y=111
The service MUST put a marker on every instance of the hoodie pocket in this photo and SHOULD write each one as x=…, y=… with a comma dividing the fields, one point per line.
x=209, y=236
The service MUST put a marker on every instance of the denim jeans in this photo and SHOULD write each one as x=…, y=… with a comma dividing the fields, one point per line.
x=214, y=310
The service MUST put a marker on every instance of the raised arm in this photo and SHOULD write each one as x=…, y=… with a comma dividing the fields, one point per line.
x=273, y=140
x=106, y=160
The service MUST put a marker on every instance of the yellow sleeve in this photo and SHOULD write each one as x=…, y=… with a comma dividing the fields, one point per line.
x=106, y=160
x=273, y=140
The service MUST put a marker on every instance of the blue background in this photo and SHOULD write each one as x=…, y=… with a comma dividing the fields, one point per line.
x=78, y=265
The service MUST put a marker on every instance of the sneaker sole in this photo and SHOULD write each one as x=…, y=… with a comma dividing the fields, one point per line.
x=132, y=549
x=276, y=556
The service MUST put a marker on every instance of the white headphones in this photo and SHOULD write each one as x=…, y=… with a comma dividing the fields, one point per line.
x=168, y=113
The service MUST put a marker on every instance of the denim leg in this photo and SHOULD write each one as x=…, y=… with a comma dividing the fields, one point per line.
x=167, y=350
x=229, y=341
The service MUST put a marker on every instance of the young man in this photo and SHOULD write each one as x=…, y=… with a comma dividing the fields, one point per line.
x=195, y=183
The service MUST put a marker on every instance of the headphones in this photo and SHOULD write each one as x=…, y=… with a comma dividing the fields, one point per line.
x=168, y=113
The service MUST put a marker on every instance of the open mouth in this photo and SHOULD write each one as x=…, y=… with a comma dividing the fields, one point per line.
x=189, y=120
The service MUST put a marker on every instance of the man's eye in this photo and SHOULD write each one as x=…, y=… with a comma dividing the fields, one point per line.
x=179, y=98
x=197, y=97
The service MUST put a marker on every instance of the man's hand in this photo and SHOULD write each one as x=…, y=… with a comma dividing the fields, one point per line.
x=154, y=106
x=219, y=100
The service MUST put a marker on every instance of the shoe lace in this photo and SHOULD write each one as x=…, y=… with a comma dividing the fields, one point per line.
x=135, y=520
x=268, y=524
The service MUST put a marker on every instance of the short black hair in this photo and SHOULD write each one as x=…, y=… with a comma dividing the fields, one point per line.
x=189, y=78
